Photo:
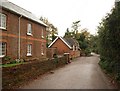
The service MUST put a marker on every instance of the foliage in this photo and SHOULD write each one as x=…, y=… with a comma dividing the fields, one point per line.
x=73, y=33
x=75, y=29
x=52, y=31
x=6, y=59
x=81, y=36
x=83, y=41
x=109, y=40
x=93, y=43
x=12, y=64
x=68, y=34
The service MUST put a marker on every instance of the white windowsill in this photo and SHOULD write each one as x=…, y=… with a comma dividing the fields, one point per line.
x=42, y=36
x=29, y=34
x=2, y=56
x=42, y=53
x=29, y=54
x=3, y=28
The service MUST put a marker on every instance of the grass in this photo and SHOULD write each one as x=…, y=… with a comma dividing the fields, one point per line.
x=11, y=65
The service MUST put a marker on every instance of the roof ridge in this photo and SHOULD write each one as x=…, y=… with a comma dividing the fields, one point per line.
x=21, y=11
x=19, y=6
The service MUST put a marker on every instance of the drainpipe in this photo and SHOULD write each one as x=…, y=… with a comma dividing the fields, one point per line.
x=19, y=38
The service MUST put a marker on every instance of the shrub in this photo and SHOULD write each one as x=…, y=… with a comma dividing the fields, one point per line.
x=6, y=59
x=87, y=52
x=109, y=41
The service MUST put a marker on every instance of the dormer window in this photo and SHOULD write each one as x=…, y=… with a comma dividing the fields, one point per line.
x=29, y=29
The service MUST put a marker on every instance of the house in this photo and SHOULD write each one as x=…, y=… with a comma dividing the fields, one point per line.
x=66, y=45
x=22, y=35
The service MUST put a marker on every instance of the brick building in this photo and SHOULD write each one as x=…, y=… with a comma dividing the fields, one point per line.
x=66, y=45
x=22, y=35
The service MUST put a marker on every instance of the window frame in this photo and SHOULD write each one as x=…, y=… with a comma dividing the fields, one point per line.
x=1, y=21
x=29, y=29
x=42, y=49
x=73, y=47
x=29, y=49
x=2, y=54
x=42, y=33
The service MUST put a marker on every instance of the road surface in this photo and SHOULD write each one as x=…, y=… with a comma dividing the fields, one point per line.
x=82, y=73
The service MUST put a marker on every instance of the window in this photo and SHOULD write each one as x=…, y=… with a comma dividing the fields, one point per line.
x=42, y=34
x=2, y=21
x=73, y=48
x=2, y=49
x=29, y=29
x=76, y=48
x=42, y=49
x=29, y=50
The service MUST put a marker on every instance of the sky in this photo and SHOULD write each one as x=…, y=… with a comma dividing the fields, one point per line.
x=61, y=13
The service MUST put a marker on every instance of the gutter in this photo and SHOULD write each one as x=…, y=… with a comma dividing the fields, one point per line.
x=19, y=40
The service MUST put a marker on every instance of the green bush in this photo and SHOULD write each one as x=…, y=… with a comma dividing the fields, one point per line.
x=109, y=66
x=87, y=52
x=117, y=77
x=109, y=41
x=13, y=62
x=6, y=59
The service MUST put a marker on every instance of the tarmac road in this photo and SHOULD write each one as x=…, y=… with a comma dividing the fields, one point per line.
x=82, y=73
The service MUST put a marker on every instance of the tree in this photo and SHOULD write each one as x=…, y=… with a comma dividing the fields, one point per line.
x=75, y=28
x=68, y=34
x=52, y=31
x=81, y=36
x=93, y=43
x=109, y=41
x=83, y=41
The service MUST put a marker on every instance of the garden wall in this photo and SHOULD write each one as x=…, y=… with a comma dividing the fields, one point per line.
x=13, y=77
x=50, y=52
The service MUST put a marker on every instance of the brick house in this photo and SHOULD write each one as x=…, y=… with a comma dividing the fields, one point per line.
x=66, y=45
x=22, y=35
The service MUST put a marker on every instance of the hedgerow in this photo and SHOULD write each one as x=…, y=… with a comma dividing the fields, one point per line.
x=109, y=42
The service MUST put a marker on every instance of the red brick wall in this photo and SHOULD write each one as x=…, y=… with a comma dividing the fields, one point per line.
x=61, y=47
x=74, y=54
x=50, y=52
x=10, y=36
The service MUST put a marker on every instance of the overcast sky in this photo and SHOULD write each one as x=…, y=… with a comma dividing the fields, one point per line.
x=63, y=12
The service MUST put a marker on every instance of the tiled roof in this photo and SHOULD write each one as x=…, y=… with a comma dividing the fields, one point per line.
x=12, y=7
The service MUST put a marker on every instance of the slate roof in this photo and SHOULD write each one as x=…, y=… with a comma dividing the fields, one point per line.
x=16, y=9
x=68, y=41
x=71, y=41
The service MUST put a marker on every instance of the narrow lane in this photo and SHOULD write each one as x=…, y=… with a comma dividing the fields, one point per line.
x=83, y=73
